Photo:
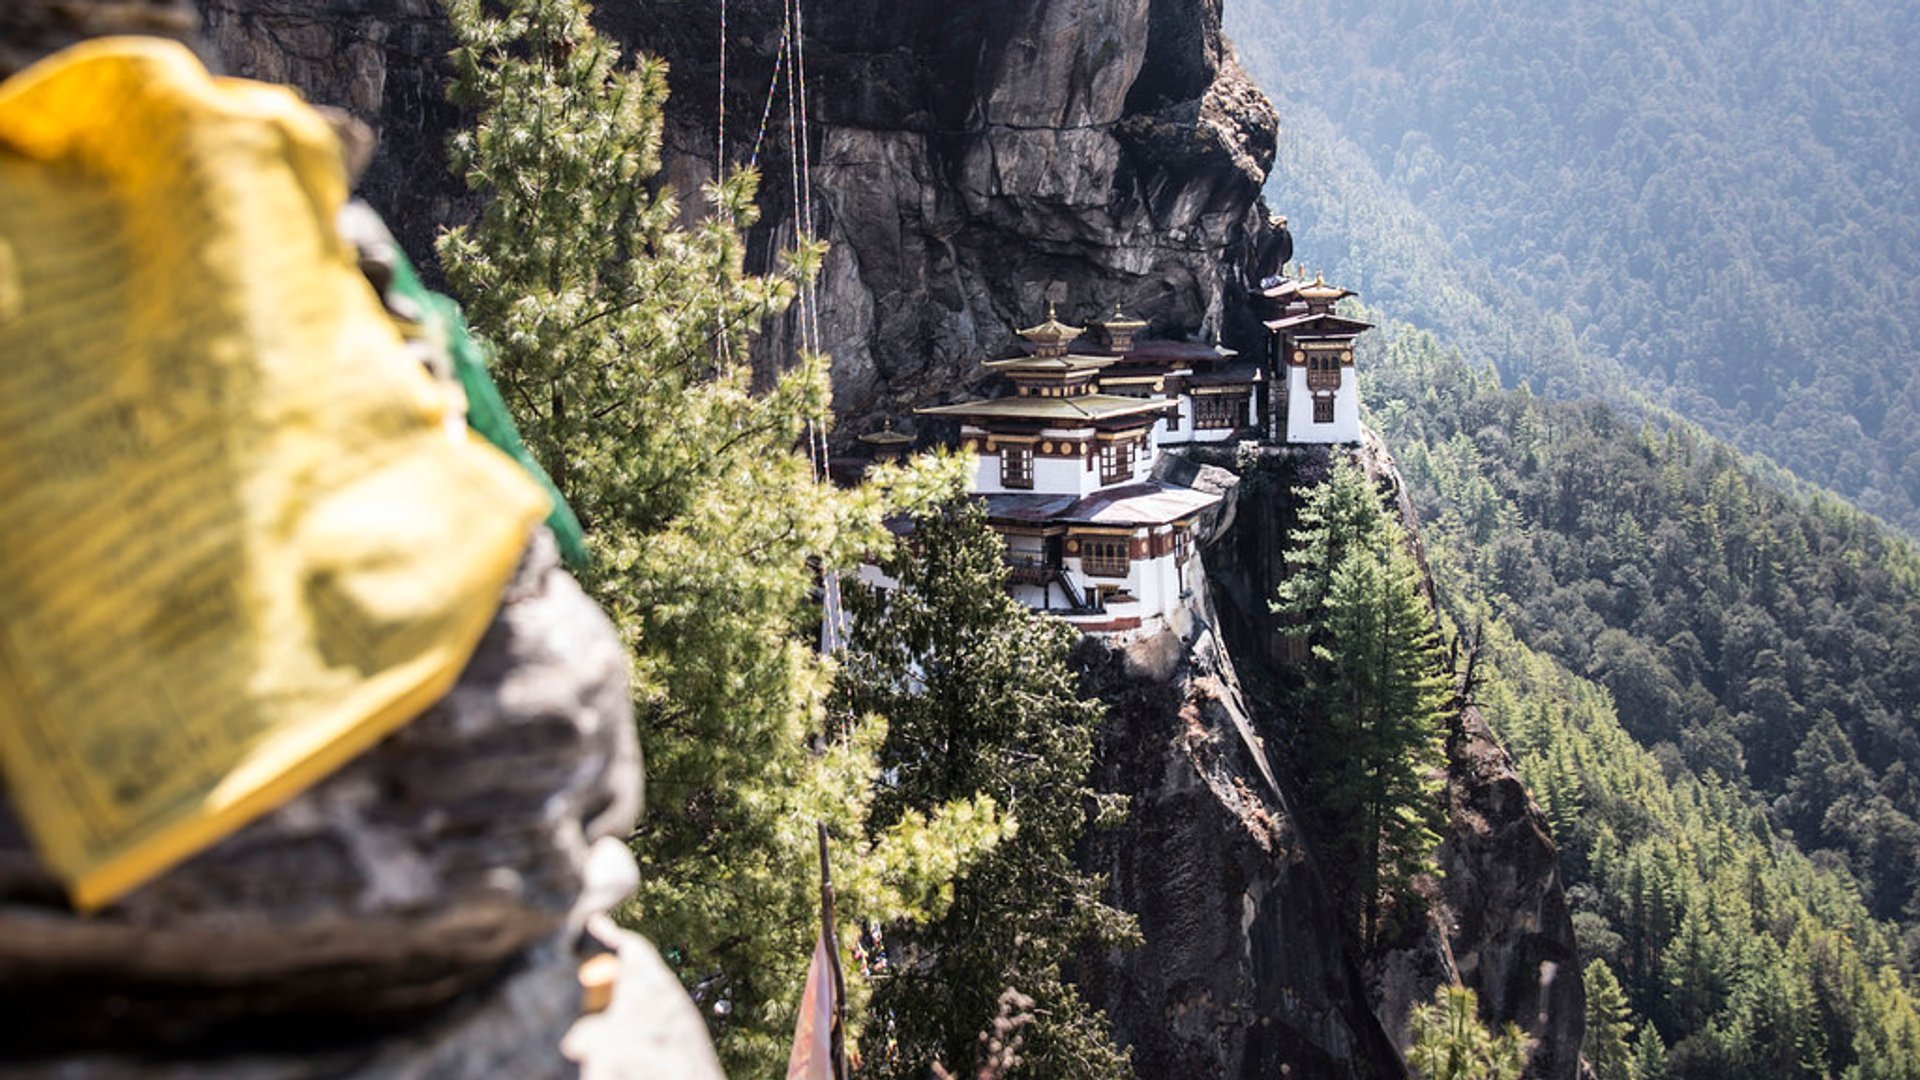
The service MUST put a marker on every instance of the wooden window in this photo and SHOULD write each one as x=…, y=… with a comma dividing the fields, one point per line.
x=1323, y=409
x=1116, y=462
x=1219, y=411
x=1173, y=418
x=1104, y=556
x=1016, y=466
x=1181, y=544
x=1323, y=371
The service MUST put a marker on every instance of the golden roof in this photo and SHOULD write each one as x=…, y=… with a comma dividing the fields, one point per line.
x=1118, y=321
x=1320, y=290
x=1063, y=364
x=1052, y=333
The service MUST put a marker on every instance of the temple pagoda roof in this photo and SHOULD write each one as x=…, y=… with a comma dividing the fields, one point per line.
x=1145, y=503
x=1052, y=334
x=1322, y=292
x=1322, y=323
x=1120, y=322
x=1049, y=365
x=1315, y=291
x=1081, y=409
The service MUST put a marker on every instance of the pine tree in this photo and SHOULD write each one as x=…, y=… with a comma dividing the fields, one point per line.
x=618, y=337
x=1606, y=1048
x=1375, y=756
x=1649, y=1055
x=1339, y=514
x=979, y=701
x=1450, y=1042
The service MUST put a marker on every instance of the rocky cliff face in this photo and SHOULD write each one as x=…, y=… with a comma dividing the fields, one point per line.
x=382, y=60
x=1244, y=971
x=974, y=161
x=971, y=161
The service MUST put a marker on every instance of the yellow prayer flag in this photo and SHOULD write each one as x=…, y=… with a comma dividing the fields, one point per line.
x=238, y=545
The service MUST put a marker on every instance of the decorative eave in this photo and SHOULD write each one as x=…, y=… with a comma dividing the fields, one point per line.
x=1142, y=504
x=1062, y=364
x=1095, y=408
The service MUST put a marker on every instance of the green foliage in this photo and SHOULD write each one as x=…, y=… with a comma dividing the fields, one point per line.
x=980, y=704
x=706, y=523
x=1696, y=201
x=1372, y=760
x=1608, y=1025
x=1624, y=567
x=1450, y=1042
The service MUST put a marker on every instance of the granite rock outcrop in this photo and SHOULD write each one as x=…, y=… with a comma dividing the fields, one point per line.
x=971, y=162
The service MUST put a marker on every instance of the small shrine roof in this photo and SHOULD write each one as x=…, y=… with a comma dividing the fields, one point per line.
x=1118, y=321
x=1146, y=503
x=1053, y=332
x=1077, y=409
x=1320, y=290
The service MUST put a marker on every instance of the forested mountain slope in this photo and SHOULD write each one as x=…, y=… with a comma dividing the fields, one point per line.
x=1719, y=196
x=1736, y=811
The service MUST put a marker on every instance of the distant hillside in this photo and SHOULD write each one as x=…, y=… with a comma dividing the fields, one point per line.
x=1718, y=196
x=1736, y=812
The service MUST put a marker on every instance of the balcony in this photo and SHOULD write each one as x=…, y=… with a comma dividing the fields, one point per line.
x=1029, y=569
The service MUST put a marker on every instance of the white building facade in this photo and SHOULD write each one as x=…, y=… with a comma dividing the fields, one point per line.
x=1065, y=463
x=1314, y=386
x=1065, y=468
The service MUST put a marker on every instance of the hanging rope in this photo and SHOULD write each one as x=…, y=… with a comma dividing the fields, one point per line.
x=833, y=623
x=811, y=310
x=789, y=68
x=773, y=89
